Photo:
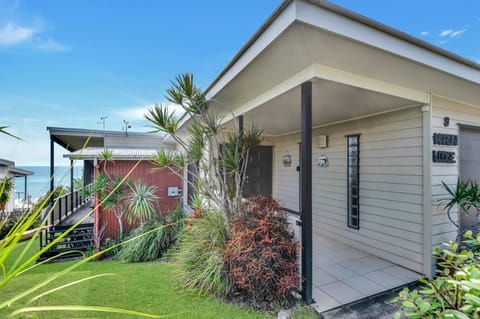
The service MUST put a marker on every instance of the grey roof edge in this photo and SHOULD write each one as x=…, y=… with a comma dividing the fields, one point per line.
x=4, y=162
x=351, y=15
x=20, y=172
x=97, y=133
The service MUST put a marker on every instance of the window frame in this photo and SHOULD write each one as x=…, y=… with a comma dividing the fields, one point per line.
x=353, y=174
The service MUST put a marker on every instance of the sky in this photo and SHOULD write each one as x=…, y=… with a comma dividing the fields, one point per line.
x=69, y=63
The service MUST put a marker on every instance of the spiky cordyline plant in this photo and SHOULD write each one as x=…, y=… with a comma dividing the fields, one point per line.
x=218, y=158
x=140, y=200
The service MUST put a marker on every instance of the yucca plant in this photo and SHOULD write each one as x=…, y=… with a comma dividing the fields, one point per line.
x=219, y=158
x=140, y=200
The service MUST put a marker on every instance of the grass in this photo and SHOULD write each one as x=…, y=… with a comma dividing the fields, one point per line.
x=148, y=287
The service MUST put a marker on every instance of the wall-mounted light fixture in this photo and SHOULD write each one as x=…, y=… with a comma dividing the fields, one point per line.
x=287, y=160
x=323, y=161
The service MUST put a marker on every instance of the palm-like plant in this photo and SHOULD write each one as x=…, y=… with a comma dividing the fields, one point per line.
x=140, y=201
x=111, y=191
x=3, y=131
x=465, y=196
x=219, y=158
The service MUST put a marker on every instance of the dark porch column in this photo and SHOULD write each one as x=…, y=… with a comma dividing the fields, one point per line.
x=71, y=185
x=239, y=120
x=52, y=167
x=306, y=190
x=25, y=187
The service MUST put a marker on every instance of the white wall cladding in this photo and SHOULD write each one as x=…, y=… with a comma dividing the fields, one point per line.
x=442, y=228
x=390, y=185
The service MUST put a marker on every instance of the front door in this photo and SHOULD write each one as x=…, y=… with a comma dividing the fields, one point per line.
x=259, y=172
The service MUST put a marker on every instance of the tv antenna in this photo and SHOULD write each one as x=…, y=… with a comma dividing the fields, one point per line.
x=126, y=127
x=102, y=120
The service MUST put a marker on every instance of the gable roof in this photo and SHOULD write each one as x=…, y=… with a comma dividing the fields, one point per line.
x=352, y=16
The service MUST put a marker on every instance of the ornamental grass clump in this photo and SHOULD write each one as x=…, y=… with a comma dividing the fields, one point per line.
x=200, y=256
x=261, y=256
x=161, y=235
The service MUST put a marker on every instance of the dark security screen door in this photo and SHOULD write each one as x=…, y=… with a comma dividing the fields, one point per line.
x=259, y=172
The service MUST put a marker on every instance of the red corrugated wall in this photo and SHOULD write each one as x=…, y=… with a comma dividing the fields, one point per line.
x=147, y=172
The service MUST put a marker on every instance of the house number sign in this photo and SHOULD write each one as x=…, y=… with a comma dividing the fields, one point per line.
x=444, y=140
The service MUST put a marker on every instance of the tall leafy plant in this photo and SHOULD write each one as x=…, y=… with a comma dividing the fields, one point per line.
x=111, y=191
x=219, y=159
x=464, y=198
x=140, y=201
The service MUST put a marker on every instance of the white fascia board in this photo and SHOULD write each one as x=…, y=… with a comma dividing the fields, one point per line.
x=327, y=20
x=318, y=71
x=285, y=19
x=335, y=75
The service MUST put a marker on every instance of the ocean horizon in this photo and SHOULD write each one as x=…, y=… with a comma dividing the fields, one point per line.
x=38, y=184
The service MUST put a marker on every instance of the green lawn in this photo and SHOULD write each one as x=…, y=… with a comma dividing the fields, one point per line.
x=147, y=287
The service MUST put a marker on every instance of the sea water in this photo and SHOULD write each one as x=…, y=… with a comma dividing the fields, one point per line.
x=38, y=184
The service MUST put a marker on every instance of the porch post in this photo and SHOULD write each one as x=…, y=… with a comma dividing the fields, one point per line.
x=306, y=187
x=239, y=120
x=52, y=167
x=71, y=185
x=25, y=187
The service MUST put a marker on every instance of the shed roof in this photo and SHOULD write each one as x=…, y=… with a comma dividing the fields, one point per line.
x=90, y=153
x=74, y=139
x=17, y=172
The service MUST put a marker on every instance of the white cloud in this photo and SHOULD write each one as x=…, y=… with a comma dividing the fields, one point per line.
x=11, y=34
x=445, y=33
x=52, y=46
x=442, y=42
x=457, y=33
x=138, y=112
x=133, y=113
x=424, y=33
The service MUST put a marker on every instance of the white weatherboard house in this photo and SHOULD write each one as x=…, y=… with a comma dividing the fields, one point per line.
x=372, y=120
x=8, y=170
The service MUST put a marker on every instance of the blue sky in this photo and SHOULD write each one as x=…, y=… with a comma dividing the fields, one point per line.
x=68, y=63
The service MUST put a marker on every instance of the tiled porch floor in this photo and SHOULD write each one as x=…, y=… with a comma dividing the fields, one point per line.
x=342, y=274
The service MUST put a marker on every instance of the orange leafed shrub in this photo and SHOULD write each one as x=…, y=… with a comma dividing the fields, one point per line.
x=261, y=256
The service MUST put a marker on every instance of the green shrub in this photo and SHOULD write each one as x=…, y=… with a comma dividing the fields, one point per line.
x=200, y=256
x=261, y=256
x=163, y=235
x=8, y=223
x=453, y=293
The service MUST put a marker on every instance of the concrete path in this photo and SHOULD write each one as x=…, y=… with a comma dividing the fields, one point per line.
x=375, y=307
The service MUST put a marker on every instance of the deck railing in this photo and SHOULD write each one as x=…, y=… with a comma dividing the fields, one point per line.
x=67, y=204
x=81, y=237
